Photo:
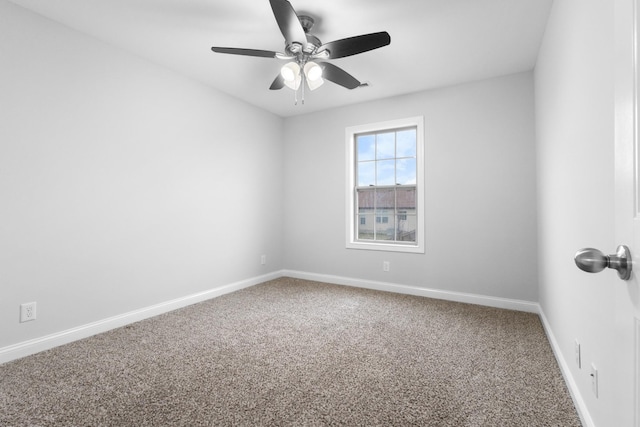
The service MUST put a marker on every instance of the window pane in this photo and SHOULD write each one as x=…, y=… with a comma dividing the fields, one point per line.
x=385, y=228
x=365, y=226
x=386, y=173
x=366, y=147
x=386, y=198
x=366, y=200
x=386, y=145
x=406, y=143
x=406, y=231
x=366, y=174
x=406, y=171
x=406, y=200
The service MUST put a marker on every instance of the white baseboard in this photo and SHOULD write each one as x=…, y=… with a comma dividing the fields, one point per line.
x=578, y=401
x=27, y=348
x=47, y=342
x=511, y=304
x=33, y=346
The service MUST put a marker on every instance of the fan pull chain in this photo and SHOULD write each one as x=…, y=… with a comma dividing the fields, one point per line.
x=302, y=84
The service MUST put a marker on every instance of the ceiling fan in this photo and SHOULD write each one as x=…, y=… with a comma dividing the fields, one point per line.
x=307, y=54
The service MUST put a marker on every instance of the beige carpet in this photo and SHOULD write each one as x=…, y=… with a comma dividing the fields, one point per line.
x=299, y=353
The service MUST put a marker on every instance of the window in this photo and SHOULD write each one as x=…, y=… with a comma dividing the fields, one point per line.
x=384, y=193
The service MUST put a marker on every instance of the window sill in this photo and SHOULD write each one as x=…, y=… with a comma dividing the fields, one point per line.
x=388, y=247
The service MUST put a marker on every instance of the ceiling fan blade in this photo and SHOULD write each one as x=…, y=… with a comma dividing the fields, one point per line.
x=288, y=22
x=338, y=76
x=246, y=52
x=354, y=45
x=278, y=83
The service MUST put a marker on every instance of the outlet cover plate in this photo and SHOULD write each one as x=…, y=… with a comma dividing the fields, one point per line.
x=27, y=312
x=594, y=379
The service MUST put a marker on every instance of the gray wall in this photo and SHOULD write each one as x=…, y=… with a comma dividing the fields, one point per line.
x=125, y=185
x=575, y=143
x=122, y=184
x=480, y=191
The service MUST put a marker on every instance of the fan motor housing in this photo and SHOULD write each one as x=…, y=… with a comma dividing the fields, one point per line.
x=313, y=43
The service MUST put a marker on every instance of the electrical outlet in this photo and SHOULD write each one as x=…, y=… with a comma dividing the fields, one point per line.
x=263, y=259
x=385, y=265
x=594, y=380
x=577, y=354
x=27, y=311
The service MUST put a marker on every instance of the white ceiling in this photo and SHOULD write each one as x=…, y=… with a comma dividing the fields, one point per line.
x=434, y=43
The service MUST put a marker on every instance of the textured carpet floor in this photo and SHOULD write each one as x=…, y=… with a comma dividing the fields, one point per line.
x=293, y=352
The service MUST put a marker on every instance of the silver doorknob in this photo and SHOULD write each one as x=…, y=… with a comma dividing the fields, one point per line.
x=593, y=261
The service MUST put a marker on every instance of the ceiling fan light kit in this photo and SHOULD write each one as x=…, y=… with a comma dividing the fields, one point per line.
x=313, y=72
x=306, y=53
x=290, y=72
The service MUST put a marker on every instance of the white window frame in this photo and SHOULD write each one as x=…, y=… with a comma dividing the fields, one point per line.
x=351, y=217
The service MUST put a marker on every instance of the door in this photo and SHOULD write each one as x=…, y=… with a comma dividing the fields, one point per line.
x=627, y=158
